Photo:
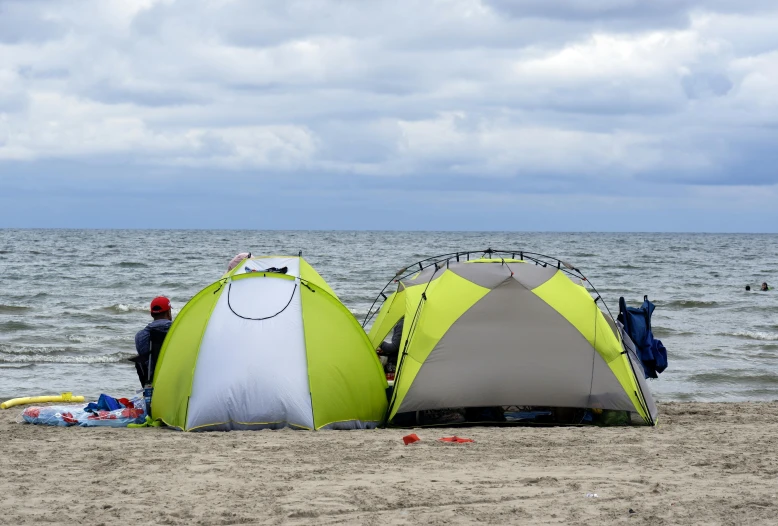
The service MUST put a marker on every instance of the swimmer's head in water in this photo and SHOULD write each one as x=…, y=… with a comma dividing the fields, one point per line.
x=748, y=287
x=764, y=286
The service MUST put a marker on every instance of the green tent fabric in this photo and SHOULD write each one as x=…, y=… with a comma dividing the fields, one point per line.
x=507, y=332
x=268, y=346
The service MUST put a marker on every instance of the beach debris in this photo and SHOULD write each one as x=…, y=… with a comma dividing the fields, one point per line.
x=119, y=414
x=456, y=440
x=410, y=439
x=64, y=397
x=592, y=496
x=631, y=511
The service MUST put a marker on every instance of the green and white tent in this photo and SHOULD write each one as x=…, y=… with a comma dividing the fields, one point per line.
x=269, y=345
x=505, y=331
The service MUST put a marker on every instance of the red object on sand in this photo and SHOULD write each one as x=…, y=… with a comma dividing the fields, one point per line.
x=456, y=439
x=410, y=439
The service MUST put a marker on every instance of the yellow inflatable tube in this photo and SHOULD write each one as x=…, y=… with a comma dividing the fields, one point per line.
x=64, y=397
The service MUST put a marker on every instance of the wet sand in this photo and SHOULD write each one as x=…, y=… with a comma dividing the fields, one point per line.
x=706, y=463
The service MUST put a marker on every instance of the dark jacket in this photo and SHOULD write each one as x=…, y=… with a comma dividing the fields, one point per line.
x=393, y=348
x=142, y=339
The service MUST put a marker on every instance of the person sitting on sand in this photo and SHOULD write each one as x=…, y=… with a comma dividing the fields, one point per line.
x=149, y=340
x=392, y=349
x=161, y=311
x=764, y=287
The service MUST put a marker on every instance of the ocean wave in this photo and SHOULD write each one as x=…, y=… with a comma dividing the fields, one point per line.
x=123, y=308
x=84, y=316
x=689, y=304
x=132, y=264
x=666, y=331
x=754, y=335
x=36, y=350
x=13, y=309
x=712, y=353
x=20, y=358
x=175, y=285
x=735, y=377
x=84, y=338
x=15, y=325
x=16, y=365
x=762, y=309
x=766, y=355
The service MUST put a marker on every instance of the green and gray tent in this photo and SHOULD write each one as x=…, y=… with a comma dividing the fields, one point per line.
x=269, y=345
x=516, y=331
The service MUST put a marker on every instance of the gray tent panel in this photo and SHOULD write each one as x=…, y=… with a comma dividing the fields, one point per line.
x=607, y=392
x=510, y=348
x=531, y=275
x=424, y=276
x=487, y=275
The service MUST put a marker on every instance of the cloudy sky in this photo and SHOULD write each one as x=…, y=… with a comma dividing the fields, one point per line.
x=604, y=115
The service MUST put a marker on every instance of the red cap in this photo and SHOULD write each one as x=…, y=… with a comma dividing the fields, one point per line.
x=159, y=305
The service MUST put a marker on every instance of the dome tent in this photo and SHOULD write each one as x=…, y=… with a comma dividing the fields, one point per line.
x=268, y=346
x=506, y=329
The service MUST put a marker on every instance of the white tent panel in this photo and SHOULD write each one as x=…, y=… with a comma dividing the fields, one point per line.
x=252, y=370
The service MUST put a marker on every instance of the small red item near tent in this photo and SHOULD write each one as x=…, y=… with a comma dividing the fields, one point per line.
x=410, y=439
x=456, y=439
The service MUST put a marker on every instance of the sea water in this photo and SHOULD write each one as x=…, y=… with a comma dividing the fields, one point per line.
x=72, y=300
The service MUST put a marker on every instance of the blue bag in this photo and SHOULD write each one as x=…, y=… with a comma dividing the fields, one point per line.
x=104, y=403
x=637, y=324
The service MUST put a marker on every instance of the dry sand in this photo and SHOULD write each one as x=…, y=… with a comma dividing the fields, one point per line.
x=704, y=464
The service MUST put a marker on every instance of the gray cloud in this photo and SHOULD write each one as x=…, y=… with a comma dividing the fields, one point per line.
x=492, y=95
x=109, y=92
x=631, y=13
x=26, y=21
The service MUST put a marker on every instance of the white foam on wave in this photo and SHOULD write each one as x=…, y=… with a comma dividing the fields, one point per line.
x=55, y=358
x=121, y=308
x=83, y=338
x=756, y=335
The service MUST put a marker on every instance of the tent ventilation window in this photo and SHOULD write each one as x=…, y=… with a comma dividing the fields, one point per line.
x=266, y=317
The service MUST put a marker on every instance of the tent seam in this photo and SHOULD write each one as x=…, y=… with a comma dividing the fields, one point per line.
x=594, y=357
x=199, y=347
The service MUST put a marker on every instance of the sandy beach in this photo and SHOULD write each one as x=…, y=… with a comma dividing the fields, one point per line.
x=706, y=463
